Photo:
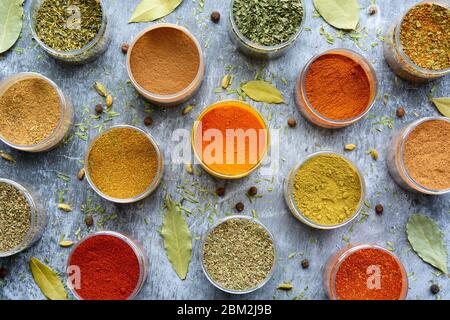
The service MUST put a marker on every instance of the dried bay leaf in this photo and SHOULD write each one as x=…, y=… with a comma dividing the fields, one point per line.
x=427, y=241
x=150, y=10
x=47, y=280
x=11, y=20
x=443, y=105
x=262, y=91
x=341, y=14
x=177, y=238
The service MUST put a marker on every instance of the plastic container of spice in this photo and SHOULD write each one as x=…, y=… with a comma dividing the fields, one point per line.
x=156, y=180
x=395, y=159
x=295, y=210
x=210, y=278
x=169, y=99
x=65, y=122
x=38, y=219
x=256, y=50
x=308, y=111
x=89, y=52
x=134, y=245
x=336, y=260
x=399, y=62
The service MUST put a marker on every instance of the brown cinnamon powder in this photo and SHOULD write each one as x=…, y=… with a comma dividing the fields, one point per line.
x=164, y=61
x=427, y=154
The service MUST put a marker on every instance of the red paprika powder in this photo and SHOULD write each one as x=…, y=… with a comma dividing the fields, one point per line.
x=109, y=268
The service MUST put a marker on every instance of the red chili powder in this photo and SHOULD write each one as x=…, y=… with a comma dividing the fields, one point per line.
x=337, y=87
x=109, y=268
x=357, y=277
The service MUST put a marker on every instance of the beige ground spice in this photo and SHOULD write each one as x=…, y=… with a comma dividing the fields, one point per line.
x=427, y=154
x=30, y=111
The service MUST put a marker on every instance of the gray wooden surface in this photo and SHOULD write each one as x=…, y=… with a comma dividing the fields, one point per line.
x=143, y=221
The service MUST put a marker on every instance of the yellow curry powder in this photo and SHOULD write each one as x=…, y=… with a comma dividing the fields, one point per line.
x=122, y=163
x=327, y=189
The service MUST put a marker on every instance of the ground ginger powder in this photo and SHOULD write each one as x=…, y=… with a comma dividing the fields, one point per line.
x=327, y=189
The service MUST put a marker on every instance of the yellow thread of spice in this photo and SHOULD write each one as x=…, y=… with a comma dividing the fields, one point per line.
x=122, y=163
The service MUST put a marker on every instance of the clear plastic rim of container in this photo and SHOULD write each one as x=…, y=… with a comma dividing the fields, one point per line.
x=399, y=46
x=71, y=53
x=33, y=216
x=404, y=137
x=204, y=165
x=176, y=97
x=62, y=105
x=262, y=48
x=348, y=252
x=202, y=250
x=370, y=73
x=140, y=256
x=289, y=195
x=156, y=180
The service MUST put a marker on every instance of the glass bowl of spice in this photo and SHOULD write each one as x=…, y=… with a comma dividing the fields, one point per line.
x=74, y=31
x=336, y=88
x=417, y=46
x=325, y=191
x=124, y=164
x=230, y=139
x=22, y=220
x=238, y=255
x=35, y=115
x=165, y=64
x=365, y=272
x=107, y=265
x=419, y=156
x=266, y=28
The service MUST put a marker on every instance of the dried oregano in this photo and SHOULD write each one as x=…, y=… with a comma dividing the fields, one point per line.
x=268, y=22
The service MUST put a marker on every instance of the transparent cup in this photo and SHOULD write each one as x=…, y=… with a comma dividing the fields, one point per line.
x=399, y=62
x=290, y=201
x=90, y=52
x=395, y=160
x=133, y=244
x=249, y=48
x=38, y=220
x=334, y=262
x=217, y=285
x=199, y=158
x=179, y=97
x=156, y=180
x=64, y=125
x=308, y=111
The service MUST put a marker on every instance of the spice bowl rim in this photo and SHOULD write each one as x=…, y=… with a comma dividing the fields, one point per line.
x=399, y=44
x=153, y=185
x=173, y=98
x=350, y=249
x=33, y=209
x=404, y=135
x=300, y=88
x=289, y=196
x=200, y=160
x=133, y=244
x=64, y=104
x=202, y=250
x=70, y=53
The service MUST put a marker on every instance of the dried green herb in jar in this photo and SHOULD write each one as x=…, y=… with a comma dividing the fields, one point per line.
x=15, y=217
x=268, y=22
x=68, y=25
x=238, y=254
x=425, y=36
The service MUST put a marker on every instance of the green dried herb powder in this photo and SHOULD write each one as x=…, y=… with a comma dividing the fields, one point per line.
x=15, y=217
x=268, y=22
x=67, y=25
x=425, y=36
x=238, y=254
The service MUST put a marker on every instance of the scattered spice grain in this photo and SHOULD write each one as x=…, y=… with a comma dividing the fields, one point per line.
x=220, y=191
x=379, y=209
x=240, y=207
x=148, y=121
x=99, y=109
x=253, y=191
x=400, y=112
x=81, y=174
x=89, y=220
x=305, y=263
x=215, y=16
x=3, y=273
x=435, y=289
x=125, y=46
x=291, y=122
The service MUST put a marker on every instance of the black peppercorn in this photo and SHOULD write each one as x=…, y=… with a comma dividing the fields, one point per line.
x=379, y=209
x=291, y=122
x=305, y=264
x=148, y=121
x=99, y=108
x=240, y=206
x=220, y=191
x=252, y=191
x=3, y=273
x=400, y=112
x=125, y=47
x=89, y=220
x=435, y=289
x=215, y=16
